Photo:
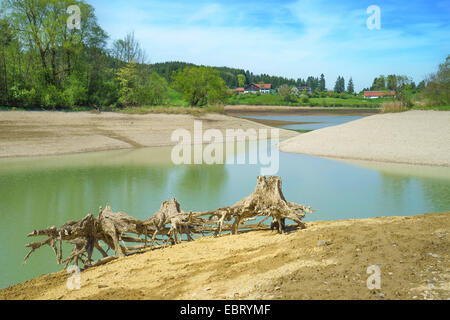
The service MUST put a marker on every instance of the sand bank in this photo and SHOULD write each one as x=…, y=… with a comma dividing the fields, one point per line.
x=38, y=133
x=328, y=260
x=413, y=137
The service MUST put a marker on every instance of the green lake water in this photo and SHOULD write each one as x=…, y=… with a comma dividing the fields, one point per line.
x=39, y=192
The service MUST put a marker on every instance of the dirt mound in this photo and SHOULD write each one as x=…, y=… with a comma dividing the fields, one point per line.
x=328, y=260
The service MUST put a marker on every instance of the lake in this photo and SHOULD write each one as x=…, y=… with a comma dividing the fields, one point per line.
x=39, y=192
x=315, y=122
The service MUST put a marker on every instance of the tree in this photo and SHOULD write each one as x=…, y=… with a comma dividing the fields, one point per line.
x=322, y=83
x=437, y=90
x=288, y=93
x=200, y=85
x=241, y=80
x=403, y=90
x=49, y=64
x=350, y=87
x=392, y=82
x=379, y=83
x=152, y=90
x=127, y=79
x=138, y=88
x=421, y=85
x=128, y=50
x=339, y=86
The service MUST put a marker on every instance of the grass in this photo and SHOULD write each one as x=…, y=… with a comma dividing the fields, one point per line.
x=436, y=108
x=393, y=106
x=276, y=100
x=171, y=110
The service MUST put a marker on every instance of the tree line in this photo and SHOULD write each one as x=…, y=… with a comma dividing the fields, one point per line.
x=44, y=63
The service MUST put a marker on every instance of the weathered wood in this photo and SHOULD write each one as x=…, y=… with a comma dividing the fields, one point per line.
x=115, y=229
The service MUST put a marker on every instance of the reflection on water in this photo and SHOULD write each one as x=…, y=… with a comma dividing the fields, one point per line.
x=40, y=192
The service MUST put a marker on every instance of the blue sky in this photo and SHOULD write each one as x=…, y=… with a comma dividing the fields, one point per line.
x=288, y=38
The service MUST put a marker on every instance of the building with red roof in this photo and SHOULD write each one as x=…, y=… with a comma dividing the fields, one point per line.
x=378, y=94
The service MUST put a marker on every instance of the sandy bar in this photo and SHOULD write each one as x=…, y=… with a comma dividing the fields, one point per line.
x=43, y=133
x=413, y=137
x=411, y=252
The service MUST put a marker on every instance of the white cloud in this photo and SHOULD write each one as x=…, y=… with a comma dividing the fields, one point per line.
x=333, y=40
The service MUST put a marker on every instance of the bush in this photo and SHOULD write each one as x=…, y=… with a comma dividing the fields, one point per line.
x=304, y=98
x=153, y=91
x=75, y=94
x=53, y=97
x=24, y=97
x=393, y=106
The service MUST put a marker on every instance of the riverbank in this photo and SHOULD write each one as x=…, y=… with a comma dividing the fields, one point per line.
x=43, y=133
x=328, y=260
x=413, y=137
x=248, y=110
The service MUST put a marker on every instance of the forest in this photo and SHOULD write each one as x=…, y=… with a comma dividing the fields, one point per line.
x=48, y=61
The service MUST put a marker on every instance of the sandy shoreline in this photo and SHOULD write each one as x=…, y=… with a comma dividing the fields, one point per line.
x=412, y=253
x=44, y=133
x=413, y=137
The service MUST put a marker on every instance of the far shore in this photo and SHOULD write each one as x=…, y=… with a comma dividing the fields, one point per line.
x=247, y=110
x=45, y=133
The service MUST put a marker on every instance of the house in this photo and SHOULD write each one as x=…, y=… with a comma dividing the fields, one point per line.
x=378, y=94
x=264, y=87
x=238, y=91
x=304, y=89
x=259, y=87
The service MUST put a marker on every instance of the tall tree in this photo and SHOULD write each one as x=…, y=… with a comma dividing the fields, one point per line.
x=350, y=87
x=379, y=83
x=437, y=90
x=129, y=50
x=339, y=86
x=322, y=83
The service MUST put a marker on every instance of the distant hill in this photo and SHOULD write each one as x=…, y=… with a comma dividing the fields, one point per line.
x=229, y=75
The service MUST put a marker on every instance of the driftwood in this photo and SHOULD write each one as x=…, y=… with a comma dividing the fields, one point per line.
x=115, y=229
x=266, y=200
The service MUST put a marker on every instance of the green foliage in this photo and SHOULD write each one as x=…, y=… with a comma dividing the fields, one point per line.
x=379, y=83
x=241, y=80
x=152, y=90
x=339, y=85
x=437, y=91
x=288, y=93
x=200, y=85
x=350, y=86
x=127, y=80
x=140, y=88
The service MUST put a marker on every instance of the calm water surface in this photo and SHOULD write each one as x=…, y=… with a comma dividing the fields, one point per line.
x=41, y=192
x=319, y=121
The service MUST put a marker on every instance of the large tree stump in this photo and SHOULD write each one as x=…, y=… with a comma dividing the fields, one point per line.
x=266, y=200
x=116, y=228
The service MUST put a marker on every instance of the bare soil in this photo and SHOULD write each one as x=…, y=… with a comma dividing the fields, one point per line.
x=39, y=133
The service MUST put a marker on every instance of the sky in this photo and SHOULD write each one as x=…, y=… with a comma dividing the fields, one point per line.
x=293, y=39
